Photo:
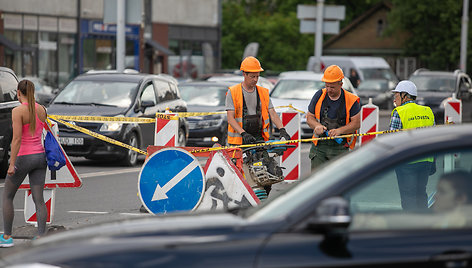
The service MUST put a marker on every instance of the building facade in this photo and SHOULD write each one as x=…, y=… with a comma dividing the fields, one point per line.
x=58, y=39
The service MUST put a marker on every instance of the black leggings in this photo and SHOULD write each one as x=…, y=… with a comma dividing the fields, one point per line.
x=33, y=165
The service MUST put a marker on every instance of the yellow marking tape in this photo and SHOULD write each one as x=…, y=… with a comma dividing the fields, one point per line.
x=294, y=141
x=98, y=136
x=290, y=106
x=104, y=119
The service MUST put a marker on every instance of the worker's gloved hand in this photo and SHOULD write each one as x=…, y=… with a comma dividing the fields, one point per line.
x=284, y=134
x=248, y=138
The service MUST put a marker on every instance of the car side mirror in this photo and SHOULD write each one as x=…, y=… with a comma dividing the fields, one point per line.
x=144, y=104
x=332, y=214
x=332, y=220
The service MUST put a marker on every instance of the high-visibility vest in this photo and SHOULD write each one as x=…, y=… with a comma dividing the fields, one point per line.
x=350, y=99
x=237, y=94
x=413, y=115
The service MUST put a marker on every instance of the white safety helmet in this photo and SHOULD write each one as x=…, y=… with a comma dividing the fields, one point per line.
x=406, y=86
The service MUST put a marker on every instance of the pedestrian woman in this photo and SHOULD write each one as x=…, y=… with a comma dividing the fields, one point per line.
x=27, y=158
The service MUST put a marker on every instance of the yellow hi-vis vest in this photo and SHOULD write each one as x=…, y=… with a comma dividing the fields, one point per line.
x=237, y=94
x=413, y=115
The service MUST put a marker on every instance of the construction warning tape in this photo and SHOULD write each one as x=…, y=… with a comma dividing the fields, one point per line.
x=290, y=106
x=96, y=135
x=104, y=119
x=294, y=141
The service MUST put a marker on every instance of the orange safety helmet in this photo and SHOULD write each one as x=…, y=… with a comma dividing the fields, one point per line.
x=251, y=65
x=332, y=74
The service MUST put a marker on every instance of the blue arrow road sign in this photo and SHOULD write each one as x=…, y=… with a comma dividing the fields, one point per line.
x=171, y=180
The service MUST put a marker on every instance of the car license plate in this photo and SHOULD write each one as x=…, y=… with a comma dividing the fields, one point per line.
x=71, y=141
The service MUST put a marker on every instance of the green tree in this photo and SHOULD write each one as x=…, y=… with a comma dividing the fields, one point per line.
x=434, y=28
x=274, y=25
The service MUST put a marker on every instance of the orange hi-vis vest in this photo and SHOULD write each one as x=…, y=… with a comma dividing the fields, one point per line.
x=350, y=99
x=237, y=94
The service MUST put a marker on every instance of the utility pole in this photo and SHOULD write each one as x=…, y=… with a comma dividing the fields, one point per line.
x=319, y=35
x=464, y=29
x=120, y=36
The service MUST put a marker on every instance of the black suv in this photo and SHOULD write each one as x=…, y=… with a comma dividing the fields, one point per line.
x=434, y=87
x=128, y=94
x=8, y=100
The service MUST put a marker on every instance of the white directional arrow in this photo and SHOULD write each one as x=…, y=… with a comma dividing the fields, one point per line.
x=160, y=192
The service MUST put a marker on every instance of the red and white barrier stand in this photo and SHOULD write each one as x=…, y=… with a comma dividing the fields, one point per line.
x=290, y=160
x=30, y=208
x=453, y=110
x=167, y=129
x=369, y=121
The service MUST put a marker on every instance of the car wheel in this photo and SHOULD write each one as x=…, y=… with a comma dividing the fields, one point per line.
x=181, y=142
x=4, y=164
x=131, y=157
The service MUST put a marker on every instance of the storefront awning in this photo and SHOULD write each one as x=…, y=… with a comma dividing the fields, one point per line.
x=158, y=46
x=12, y=45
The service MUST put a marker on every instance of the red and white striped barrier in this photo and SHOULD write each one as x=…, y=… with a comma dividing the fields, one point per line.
x=30, y=208
x=290, y=160
x=369, y=121
x=453, y=111
x=167, y=129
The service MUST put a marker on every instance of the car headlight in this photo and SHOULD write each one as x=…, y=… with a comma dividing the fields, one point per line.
x=111, y=126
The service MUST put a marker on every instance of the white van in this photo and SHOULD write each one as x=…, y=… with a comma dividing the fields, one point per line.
x=367, y=68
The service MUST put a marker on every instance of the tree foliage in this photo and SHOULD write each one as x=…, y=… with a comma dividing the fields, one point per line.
x=435, y=30
x=274, y=25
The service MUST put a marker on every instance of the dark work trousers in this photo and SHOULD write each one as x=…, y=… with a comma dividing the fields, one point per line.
x=412, y=180
x=325, y=151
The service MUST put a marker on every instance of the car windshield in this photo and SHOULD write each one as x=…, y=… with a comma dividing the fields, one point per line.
x=378, y=73
x=118, y=94
x=8, y=86
x=434, y=83
x=377, y=85
x=281, y=205
x=203, y=95
x=296, y=89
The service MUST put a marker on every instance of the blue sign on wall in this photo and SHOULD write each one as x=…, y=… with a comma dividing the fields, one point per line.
x=171, y=180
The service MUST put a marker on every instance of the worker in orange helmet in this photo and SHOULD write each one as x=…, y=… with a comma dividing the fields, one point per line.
x=249, y=108
x=333, y=111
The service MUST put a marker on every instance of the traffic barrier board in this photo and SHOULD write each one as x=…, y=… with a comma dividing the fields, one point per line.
x=167, y=129
x=290, y=160
x=171, y=180
x=66, y=177
x=30, y=208
x=369, y=121
x=453, y=111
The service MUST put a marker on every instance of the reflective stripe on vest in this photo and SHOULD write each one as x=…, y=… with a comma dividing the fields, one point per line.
x=413, y=115
x=350, y=99
x=237, y=95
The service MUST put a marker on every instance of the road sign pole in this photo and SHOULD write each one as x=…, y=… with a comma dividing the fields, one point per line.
x=319, y=35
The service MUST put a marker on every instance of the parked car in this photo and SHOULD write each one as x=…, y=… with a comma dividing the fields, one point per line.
x=297, y=88
x=235, y=79
x=380, y=90
x=116, y=94
x=8, y=101
x=435, y=87
x=43, y=93
x=203, y=96
x=346, y=214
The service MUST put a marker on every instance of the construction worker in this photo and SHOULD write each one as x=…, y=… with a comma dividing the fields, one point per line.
x=249, y=108
x=412, y=177
x=332, y=112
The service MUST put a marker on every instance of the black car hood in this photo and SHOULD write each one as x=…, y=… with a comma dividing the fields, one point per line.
x=86, y=110
x=432, y=98
x=155, y=231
